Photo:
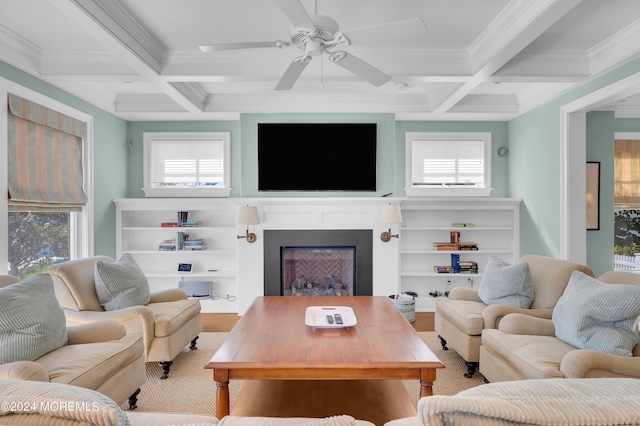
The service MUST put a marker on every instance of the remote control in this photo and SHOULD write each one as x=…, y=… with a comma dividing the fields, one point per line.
x=338, y=318
x=330, y=319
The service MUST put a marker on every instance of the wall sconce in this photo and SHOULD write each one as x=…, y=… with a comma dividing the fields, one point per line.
x=248, y=215
x=390, y=213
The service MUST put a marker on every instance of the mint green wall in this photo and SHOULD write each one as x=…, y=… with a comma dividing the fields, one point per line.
x=534, y=166
x=627, y=125
x=110, y=158
x=385, y=155
x=135, y=158
x=498, y=129
x=244, y=148
x=600, y=131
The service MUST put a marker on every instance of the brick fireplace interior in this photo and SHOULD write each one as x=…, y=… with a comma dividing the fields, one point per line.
x=317, y=262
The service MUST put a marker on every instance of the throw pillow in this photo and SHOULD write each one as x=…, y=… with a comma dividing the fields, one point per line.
x=506, y=284
x=594, y=315
x=32, y=323
x=121, y=284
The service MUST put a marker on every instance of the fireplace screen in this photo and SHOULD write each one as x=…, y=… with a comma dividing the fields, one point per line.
x=318, y=271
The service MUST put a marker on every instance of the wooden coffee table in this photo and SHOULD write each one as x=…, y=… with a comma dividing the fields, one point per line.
x=272, y=342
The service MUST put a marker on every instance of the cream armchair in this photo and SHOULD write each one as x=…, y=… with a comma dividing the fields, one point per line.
x=168, y=323
x=525, y=347
x=99, y=356
x=461, y=317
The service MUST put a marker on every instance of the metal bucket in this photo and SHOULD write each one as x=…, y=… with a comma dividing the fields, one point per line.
x=406, y=307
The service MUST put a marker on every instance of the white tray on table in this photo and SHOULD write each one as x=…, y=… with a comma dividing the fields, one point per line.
x=316, y=316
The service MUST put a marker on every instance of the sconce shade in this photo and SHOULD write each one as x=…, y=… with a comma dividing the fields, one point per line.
x=390, y=213
x=248, y=215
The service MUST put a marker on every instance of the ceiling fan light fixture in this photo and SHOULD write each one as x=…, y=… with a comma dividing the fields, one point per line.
x=314, y=48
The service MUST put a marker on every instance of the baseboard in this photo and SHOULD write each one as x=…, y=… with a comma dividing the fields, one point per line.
x=225, y=322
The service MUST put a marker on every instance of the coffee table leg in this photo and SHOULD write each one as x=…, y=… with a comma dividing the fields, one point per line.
x=222, y=399
x=222, y=393
x=427, y=377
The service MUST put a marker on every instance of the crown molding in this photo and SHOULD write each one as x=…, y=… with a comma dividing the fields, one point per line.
x=622, y=46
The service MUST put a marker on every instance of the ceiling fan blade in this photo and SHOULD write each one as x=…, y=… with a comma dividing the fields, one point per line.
x=242, y=45
x=412, y=28
x=292, y=73
x=359, y=67
x=296, y=14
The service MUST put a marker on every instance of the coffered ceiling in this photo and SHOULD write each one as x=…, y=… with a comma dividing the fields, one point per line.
x=477, y=59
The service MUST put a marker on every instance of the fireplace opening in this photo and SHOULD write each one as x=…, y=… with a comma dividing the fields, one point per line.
x=330, y=260
x=318, y=271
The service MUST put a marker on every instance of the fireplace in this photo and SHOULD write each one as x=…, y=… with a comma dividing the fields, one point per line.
x=318, y=262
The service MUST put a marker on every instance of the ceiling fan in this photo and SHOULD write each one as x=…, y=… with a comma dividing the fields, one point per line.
x=317, y=34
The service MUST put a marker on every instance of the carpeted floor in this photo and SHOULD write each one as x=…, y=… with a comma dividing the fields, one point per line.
x=190, y=388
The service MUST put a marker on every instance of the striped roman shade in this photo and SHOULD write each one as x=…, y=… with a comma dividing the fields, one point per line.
x=44, y=158
x=627, y=174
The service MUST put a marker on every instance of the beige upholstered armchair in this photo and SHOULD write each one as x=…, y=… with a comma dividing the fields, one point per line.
x=99, y=356
x=461, y=317
x=525, y=347
x=168, y=323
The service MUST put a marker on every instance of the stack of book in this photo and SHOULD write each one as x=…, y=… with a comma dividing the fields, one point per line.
x=444, y=269
x=443, y=246
x=167, y=245
x=457, y=266
x=468, y=246
x=198, y=244
x=468, y=267
x=182, y=242
x=186, y=224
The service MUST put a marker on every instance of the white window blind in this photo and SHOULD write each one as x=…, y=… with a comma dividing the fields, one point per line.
x=190, y=163
x=448, y=163
x=187, y=164
x=445, y=163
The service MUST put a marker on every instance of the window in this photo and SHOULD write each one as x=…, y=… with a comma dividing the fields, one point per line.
x=186, y=164
x=626, y=211
x=448, y=164
x=32, y=237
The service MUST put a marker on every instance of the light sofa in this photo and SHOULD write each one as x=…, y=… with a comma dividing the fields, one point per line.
x=585, y=402
x=33, y=403
x=461, y=317
x=524, y=347
x=168, y=322
x=99, y=356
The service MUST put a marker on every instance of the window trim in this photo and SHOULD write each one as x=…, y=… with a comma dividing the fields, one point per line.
x=414, y=191
x=81, y=224
x=149, y=137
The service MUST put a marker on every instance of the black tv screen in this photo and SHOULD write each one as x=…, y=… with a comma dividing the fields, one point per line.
x=317, y=156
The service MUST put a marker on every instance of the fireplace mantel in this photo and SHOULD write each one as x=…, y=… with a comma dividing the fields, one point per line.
x=309, y=214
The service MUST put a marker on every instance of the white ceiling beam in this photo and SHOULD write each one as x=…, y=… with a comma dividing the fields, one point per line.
x=519, y=24
x=118, y=31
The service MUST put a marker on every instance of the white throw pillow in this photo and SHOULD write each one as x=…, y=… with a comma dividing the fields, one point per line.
x=121, y=284
x=506, y=284
x=595, y=315
x=32, y=323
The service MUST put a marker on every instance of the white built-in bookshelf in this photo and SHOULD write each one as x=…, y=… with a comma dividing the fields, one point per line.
x=492, y=224
x=140, y=232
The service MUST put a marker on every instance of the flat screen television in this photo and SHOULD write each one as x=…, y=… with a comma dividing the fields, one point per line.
x=317, y=156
